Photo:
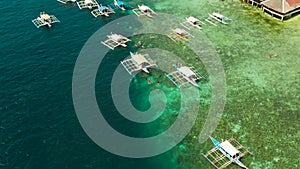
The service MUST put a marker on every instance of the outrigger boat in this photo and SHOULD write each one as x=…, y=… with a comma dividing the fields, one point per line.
x=66, y=1
x=121, y=5
x=192, y=22
x=90, y=4
x=225, y=153
x=44, y=20
x=217, y=17
x=138, y=62
x=184, y=75
x=144, y=10
x=115, y=40
x=102, y=11
x=180, y=33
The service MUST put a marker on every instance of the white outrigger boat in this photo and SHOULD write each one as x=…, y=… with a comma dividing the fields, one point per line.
x=66, y=1
x=44, y=20
x=217, y=17
x=181, y=34
x=138, y=62
x=115, y=40
x=184, y=75
x=121, y=5
x=89, y=4
x=225, y=153
x=191, y=22
x=144, y=10
x=102, y=11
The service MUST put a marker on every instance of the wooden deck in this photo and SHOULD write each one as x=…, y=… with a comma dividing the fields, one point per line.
x=254, y=2
x=282, y=9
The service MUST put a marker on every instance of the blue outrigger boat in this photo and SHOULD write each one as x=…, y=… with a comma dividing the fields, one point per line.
x=102, y=11
x=217, y=17
x=121, y=5
x=225, y=153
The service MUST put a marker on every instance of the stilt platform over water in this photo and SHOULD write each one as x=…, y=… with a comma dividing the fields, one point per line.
x=281, y=9
x=138, y=62
x=87, y=4
x=256, y=3
x=44, y=20
x=66, y=1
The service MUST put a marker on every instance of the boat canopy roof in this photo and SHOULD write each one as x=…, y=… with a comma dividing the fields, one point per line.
x=218, y=15
x=120, y=3
x=192, y=19
x=102, y=8
x=229, y=148
x=144, y=8
x=116, y=37
x=45, y=16
x=186, y=71
x=140, y=59
x=179, y=31
x=88, y=1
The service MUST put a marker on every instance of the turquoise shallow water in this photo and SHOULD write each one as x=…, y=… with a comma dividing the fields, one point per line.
x=38, y=124
x=39, y=128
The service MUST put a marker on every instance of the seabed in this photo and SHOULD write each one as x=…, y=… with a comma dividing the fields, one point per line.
x=261, y=61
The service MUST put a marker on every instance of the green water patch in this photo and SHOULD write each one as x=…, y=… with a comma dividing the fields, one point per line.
x=260, y=56
x=141, y=86
x=157, y=80
x=178, y=48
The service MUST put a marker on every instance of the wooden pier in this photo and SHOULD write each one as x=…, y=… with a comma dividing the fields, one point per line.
x=282, y=9
x=254, y=2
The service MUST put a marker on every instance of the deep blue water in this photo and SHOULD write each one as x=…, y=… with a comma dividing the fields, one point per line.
x=38, y=124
